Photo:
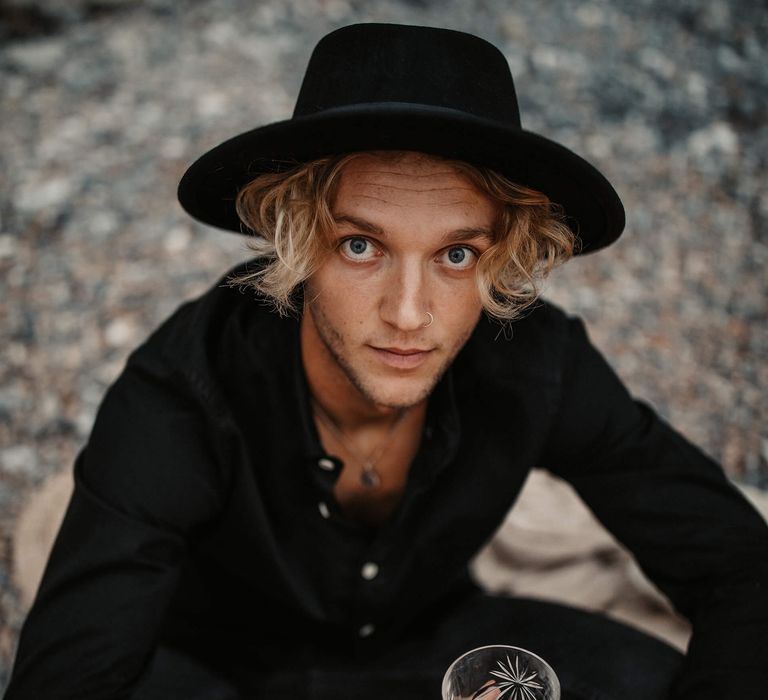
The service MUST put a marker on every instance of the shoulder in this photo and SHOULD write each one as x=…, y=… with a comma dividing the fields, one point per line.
x=220, y=311
x=215, y=355
x=212, y=335
x=533, y=347
x=159, y=431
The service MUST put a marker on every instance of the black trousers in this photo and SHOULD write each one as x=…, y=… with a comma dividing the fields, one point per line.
x=595, y=659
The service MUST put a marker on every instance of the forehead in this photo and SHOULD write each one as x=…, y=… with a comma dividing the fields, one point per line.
x=409, y=180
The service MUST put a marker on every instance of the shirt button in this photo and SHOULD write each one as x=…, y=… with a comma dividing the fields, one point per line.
x=366, y=630
x=324, y=511
x=369, y=571
x=326, y=464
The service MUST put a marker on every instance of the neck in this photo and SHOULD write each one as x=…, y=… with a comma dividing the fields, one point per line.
x=332, y=389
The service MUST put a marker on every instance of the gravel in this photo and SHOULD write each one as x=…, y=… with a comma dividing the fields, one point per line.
x=104, y=104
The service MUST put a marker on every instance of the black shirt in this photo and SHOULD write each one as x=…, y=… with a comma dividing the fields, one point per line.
x=203, y=514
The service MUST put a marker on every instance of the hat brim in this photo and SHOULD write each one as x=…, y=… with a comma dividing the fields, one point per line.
x=594, y=212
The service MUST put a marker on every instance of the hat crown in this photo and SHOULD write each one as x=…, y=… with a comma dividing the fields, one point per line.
x=372, y=87
x=374, y=63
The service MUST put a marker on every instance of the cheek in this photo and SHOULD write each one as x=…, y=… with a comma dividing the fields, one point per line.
x=458, y=325
x=343, y=303
x=460, y=305
x=350, y=287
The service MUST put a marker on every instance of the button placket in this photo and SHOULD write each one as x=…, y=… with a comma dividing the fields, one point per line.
x=366, y=630
x=326, y=464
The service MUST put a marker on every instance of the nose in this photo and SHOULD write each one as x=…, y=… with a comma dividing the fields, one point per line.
x=404, y=303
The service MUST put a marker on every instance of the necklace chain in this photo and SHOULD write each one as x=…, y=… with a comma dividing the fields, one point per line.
x=370, y=476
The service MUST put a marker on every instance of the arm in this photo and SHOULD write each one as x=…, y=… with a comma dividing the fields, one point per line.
x=143, y=483
x=691, y=531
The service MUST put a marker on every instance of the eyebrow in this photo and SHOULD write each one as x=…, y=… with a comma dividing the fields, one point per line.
x=460, y=234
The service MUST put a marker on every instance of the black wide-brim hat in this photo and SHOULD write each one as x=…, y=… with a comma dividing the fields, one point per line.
x=372, y=87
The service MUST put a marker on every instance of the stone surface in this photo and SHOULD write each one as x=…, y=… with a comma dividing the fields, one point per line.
x=104, y=104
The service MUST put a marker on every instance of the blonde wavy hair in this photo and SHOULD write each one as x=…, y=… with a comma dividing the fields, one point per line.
x=288, y=215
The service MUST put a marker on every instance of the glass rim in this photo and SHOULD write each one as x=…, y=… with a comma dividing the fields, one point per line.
x=497, y=646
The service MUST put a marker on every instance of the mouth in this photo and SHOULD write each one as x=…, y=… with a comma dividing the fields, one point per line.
x=402, y=358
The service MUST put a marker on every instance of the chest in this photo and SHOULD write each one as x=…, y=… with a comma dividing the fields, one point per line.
x=372, y=481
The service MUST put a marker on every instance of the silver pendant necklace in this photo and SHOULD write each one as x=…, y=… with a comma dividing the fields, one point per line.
x=369, y=476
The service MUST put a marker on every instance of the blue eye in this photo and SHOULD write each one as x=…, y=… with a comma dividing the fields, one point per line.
x=358, y=249
x=459, y=257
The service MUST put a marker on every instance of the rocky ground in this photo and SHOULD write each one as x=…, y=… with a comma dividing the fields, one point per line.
x=105, y=102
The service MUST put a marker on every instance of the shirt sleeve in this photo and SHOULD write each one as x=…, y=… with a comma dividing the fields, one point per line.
x=143, y=484
x=690, y=530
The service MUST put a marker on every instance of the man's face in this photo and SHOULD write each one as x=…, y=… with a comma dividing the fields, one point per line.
x=406, y=240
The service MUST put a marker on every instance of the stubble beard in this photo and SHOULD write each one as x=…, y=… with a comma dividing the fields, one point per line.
x=334, y=344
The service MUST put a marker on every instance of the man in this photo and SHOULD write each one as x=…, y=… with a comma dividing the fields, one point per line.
x=281, y=494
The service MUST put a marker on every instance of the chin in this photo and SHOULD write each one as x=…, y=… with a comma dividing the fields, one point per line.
x=399, y=402
x=397, y=393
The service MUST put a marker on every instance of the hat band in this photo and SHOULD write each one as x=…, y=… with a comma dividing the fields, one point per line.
x=415, y=108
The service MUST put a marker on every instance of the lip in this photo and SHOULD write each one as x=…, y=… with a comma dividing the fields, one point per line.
x=402, y=358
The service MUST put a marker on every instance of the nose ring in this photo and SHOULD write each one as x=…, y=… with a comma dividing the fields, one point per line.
x=428, y=323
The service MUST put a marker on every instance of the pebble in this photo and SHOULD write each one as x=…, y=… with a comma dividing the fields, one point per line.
x=121, y=332
x=105, y=103
x=715, y=138
x=36, y=57
x=19, y=460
